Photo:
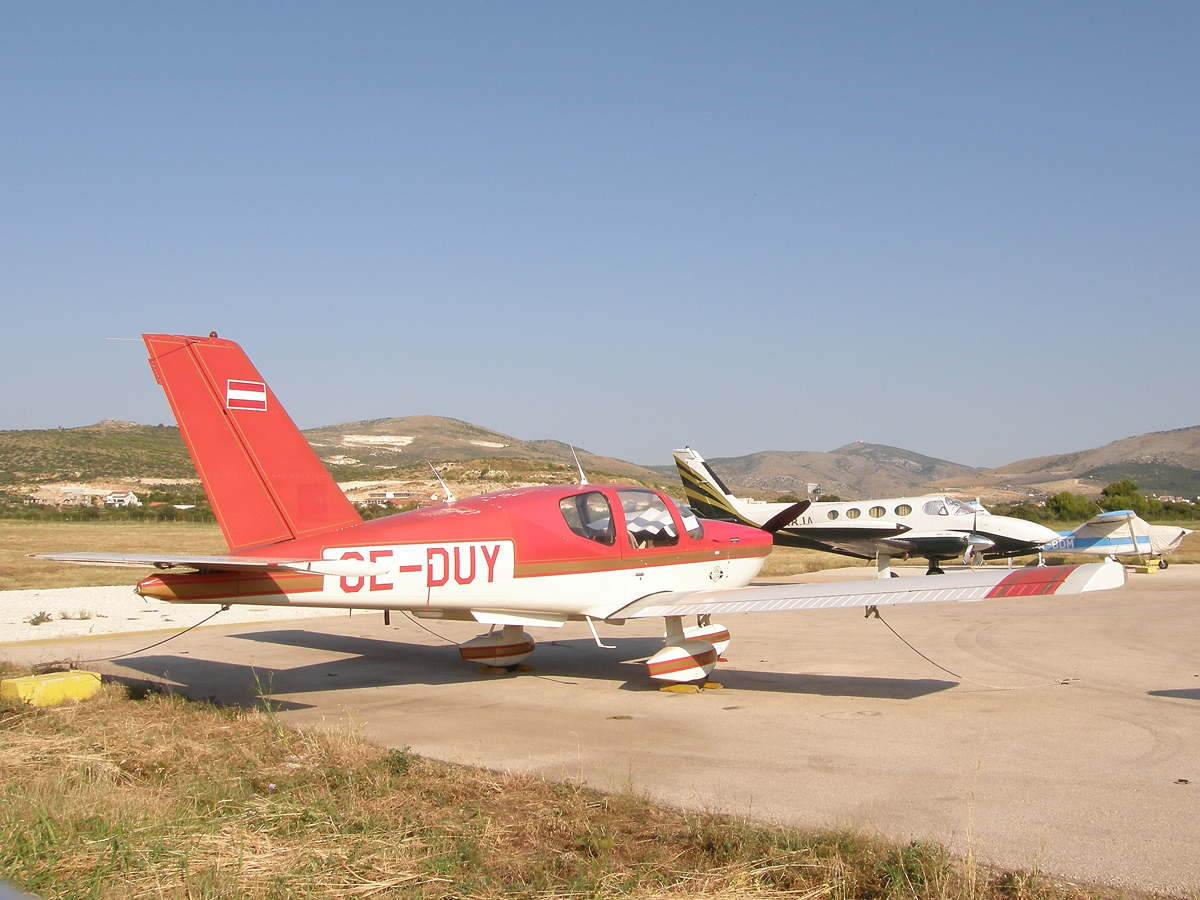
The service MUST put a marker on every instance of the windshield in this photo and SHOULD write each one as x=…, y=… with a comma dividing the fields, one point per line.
x=948, y=506
x=691, y=521
x=647, y=520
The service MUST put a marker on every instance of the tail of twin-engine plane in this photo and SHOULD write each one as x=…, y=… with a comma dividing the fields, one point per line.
x=263, y=480
x=706, y=492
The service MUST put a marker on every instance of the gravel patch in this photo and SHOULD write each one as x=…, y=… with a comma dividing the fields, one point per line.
x=115, y=610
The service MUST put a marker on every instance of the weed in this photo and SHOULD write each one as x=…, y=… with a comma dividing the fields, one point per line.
x=171, y=798
x=398, y=762
x=40, y=617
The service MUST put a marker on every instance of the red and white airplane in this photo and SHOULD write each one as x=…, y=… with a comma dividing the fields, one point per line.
x=529, y=557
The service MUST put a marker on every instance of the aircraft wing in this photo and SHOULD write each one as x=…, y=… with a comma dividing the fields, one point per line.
x=979, y=584
x=349, y=568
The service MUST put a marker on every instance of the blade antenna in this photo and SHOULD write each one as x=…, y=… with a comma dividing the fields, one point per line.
x=582, y=478
x=450, y=498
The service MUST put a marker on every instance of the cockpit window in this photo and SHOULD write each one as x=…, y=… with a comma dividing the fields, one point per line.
x=647, y=520
x=935, y=508
x=948, y=506
x=589, y=516
x=691, y=522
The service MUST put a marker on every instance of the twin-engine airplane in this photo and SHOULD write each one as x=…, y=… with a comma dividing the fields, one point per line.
x=934, y=527
x=530, y=557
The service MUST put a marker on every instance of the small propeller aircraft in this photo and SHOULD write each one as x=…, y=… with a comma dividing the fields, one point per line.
x=935, y=527
x=514, y=559
x=1121, y=532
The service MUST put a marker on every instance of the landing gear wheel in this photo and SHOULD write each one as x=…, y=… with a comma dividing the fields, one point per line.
x=1162, y=563
x=934, y=568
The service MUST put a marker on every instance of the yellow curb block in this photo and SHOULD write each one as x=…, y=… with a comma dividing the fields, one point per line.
x=50, y=689
x=680, y=689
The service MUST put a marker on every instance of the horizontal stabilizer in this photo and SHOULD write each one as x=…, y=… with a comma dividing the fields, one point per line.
x=980, y=584
x=340, y=568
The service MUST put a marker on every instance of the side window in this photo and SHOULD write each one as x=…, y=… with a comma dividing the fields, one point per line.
x=647, y=520
x=876, y=512
x=935, y=508
x=903, y=509
x=589, y=516
x=852, y=513
x=833, y=514
x=691, y=523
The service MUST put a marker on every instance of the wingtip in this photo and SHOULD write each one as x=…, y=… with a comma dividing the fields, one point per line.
x=1103, y=576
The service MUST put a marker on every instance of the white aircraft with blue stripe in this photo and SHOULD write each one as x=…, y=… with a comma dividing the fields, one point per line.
x=1120, y=533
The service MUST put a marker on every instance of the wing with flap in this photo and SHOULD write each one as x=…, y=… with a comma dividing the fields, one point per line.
x=980, y=584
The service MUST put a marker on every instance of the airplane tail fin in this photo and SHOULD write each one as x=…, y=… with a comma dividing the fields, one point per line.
x=706, y=492
x=264, y=482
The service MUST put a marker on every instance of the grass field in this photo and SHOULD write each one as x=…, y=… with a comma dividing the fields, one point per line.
x=19, y=538
x=162, y=797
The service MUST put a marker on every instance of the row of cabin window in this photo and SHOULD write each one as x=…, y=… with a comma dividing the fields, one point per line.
x=875, y=512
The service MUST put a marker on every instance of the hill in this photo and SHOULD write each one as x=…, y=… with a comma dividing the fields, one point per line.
x=384, y=444
x=379, y=454
x=101, y=452
x=855, y=470
x=1166, y=463
x=394, y=450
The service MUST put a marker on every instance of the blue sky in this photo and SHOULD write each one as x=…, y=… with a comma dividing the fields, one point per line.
x=968, y=230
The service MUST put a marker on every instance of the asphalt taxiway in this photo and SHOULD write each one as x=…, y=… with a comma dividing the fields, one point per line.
x=1067, y=738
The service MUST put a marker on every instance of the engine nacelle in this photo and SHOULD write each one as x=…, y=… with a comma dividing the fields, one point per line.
x=689, y=660
x=508, y=647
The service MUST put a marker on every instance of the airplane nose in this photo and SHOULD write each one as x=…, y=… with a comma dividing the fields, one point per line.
x=1034, y=533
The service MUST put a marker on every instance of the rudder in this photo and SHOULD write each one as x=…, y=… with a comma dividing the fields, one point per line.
x=263, y=480
x=706, y=492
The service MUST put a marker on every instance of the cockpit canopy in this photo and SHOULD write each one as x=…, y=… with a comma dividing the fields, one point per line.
x=648, y=520
x=948, y=506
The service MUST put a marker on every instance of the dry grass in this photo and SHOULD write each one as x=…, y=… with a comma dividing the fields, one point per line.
x=18, y=538
x=796, y=561
x=165, y=798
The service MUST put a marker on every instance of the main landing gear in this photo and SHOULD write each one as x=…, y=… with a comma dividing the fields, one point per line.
x=503, y=649
x=934, y=567
x=690, y=653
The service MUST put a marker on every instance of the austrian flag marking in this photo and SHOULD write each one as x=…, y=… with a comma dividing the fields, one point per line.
x=246, y=395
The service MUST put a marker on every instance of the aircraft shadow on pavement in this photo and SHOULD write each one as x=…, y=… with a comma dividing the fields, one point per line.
x=1182, y=694
x=372, y=662
x=867, y=687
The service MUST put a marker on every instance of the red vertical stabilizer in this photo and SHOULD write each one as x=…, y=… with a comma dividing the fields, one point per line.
x=262, y=478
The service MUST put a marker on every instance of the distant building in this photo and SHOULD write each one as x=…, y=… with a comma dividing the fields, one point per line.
x=122, y=499
x=395, y=498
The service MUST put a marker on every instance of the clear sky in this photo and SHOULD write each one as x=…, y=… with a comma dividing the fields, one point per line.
x=971, y=230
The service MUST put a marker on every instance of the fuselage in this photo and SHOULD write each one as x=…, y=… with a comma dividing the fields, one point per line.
x=536, y=554
x=935, y=526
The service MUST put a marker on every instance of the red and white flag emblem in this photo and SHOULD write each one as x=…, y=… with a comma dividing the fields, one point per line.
x=246, y=395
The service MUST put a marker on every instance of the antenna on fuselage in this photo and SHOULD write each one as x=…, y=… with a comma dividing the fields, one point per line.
x=582, y=478
x=450, y=498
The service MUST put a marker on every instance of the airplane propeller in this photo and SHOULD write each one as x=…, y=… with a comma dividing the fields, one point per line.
x=776, y=522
